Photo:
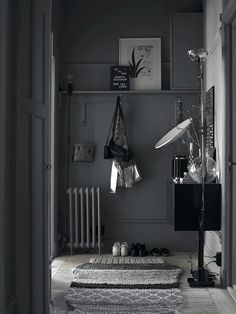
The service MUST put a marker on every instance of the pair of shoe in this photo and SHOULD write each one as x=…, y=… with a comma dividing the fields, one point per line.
x=161, y=252
x=120, y=249
x=138, y=249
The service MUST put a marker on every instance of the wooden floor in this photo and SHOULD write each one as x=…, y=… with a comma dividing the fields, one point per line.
x=196, y=300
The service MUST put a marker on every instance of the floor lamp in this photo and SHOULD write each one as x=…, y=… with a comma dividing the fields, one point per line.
x=200, y=276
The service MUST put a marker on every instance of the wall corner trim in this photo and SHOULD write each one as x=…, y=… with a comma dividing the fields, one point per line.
x=229, y=13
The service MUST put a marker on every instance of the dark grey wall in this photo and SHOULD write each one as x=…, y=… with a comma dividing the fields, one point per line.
x=91, y=30
x=225, y=3
x=89, y=45
x=56, y=23
x=142, y=213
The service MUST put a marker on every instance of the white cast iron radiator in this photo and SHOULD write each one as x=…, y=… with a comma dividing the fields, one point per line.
x=84, y=218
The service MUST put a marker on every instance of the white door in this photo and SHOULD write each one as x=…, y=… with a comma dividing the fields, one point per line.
x=33, y=160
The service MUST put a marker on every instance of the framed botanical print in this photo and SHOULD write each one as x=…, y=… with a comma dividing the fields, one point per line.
x=143, y=57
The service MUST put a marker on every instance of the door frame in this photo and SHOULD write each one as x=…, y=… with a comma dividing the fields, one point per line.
x=228, y=17
x=4, y=13
x=52, y=220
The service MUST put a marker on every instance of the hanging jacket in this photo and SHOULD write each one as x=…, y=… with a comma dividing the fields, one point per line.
x=123, y=173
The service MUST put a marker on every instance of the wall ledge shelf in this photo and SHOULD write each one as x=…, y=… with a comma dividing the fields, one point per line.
x=141, y=92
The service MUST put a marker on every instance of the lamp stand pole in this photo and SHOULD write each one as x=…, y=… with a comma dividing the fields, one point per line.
x=200, y=276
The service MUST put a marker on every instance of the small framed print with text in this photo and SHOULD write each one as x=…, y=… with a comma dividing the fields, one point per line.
x=119, y=78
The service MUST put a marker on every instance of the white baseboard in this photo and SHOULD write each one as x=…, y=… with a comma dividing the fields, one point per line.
x=232, y=292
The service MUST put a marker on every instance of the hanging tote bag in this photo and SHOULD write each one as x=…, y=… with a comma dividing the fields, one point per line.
x=117, y=147
x=84, y=152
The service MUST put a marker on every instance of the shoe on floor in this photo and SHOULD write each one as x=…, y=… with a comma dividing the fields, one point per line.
x=116, y=249
x=142, y=250
x=124, y=249
x=134, y=251
x=155, y=252
x=165, y=252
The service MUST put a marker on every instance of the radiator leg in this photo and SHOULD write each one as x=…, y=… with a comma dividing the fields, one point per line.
x=99, y=221
x=82, y=216
x=87, y=218
x=69, y=192
x=93, y=219
x=76, y=222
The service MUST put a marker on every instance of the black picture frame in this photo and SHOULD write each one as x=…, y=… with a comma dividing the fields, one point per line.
x=210, y=117
x=119, y=78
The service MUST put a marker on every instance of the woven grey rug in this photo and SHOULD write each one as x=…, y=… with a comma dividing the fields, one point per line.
x=105, y=288
x=121, y=309
x=126, y=276
x=127, y=260
x=100, y=296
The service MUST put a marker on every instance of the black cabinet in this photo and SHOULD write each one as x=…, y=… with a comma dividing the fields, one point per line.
x=187, y=203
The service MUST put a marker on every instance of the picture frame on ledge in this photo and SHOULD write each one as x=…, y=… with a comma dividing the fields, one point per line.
x=119, y=78
x=210, y=117
x=143, y=56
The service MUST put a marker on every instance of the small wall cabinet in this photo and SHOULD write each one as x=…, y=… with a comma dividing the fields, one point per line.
x=187, y=203
x=186, y=34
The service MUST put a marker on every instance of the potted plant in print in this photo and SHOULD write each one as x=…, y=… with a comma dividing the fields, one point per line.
x=135, y=69
x=143, y=57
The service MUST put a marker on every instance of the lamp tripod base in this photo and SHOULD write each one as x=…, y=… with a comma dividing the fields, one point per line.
x=201, y=278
